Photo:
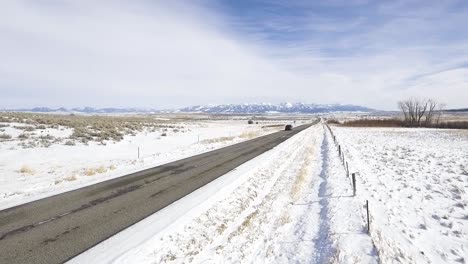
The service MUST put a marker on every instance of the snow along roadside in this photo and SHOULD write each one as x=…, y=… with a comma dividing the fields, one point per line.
x=179, y=230
x=274, y=208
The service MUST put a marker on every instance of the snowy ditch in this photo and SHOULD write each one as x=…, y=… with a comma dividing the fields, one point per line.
x=291, y=204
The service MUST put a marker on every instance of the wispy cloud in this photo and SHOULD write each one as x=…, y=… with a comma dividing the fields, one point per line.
x=165, y=54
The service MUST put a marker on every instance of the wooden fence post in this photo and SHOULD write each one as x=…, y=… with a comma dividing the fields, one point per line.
x=368, y=219
x=347, y=170
x=353, y=177
x=339, y=150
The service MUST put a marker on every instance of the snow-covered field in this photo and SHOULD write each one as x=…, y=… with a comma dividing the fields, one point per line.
x=292, y=204
x=416, y=181
x=28, y=174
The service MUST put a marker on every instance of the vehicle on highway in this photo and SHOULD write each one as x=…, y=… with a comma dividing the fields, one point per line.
x=288, y=127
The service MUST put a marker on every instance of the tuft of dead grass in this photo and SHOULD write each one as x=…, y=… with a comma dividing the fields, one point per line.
x=302, y=175
x=285, y=219
x=217, y=140
x=250, y=134
x=70, y=178
x=25, y=169
x=101, y=169
x=5, y=136
x=94, y=171
x=90, y=172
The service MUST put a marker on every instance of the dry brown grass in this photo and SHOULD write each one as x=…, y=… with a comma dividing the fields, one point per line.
x=333, y=121
x=285, y=219
x=374, y=123
x=70, y=178
x=244, y=135
x=5, y=136
x=452, y=125
x=101, y=169
x=302, y=175
x=25, y=169
x=216, y=140
x=94, y=171
x=401, y=123
x=89, y=171
x=274, y=126
x=90, y=128
x=245, y=224
x=250, y=134
x=220, y=229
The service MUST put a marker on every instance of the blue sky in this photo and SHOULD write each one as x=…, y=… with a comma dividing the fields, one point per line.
x=165, y=54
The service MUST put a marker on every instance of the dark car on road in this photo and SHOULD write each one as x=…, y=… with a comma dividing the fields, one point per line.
x=288, y=127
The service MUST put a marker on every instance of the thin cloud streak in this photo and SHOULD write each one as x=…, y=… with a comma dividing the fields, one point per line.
x=161, y=54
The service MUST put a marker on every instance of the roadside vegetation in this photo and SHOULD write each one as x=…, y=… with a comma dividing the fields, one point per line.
x=401, y=123
x=38, y=129
x=415, y=113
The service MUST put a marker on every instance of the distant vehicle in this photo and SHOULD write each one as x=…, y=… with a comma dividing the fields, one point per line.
x=288, y=127
x=250, y=122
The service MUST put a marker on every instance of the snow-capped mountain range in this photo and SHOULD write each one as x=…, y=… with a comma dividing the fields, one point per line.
x=255, y=108
x=263, y=108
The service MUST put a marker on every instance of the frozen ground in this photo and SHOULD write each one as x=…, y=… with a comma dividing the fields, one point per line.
x=31, y=173
x=292, y=204
x=416, y=181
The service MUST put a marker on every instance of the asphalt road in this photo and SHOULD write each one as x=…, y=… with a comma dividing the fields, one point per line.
x=57, y=228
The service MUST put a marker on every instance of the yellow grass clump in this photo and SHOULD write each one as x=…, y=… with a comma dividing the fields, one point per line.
x=25, y=169
x=94, y=171
x=71, y=178
x=302, y=175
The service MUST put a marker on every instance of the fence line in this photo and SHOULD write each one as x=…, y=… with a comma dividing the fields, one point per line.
x=353, y=175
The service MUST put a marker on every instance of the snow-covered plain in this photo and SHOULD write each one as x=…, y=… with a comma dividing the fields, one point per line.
x=28, y=174
x=416, y=181
x=292, y=204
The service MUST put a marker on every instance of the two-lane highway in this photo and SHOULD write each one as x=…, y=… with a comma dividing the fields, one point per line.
x=57, y=228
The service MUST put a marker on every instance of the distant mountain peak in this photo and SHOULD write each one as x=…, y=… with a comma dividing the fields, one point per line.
x=263, y=108
x=245, y=108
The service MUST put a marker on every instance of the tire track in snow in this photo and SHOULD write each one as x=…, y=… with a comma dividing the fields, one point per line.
x=323, y=243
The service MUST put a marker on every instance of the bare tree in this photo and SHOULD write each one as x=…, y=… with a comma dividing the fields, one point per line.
x=432, y=104
x=421, y=108
x=407, y=107
x=404, y=108
x=440, y=110
x=415, y=109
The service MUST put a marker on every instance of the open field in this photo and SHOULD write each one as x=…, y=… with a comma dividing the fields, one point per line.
x=294, y=203
x=52, y=158
x=416, y=181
